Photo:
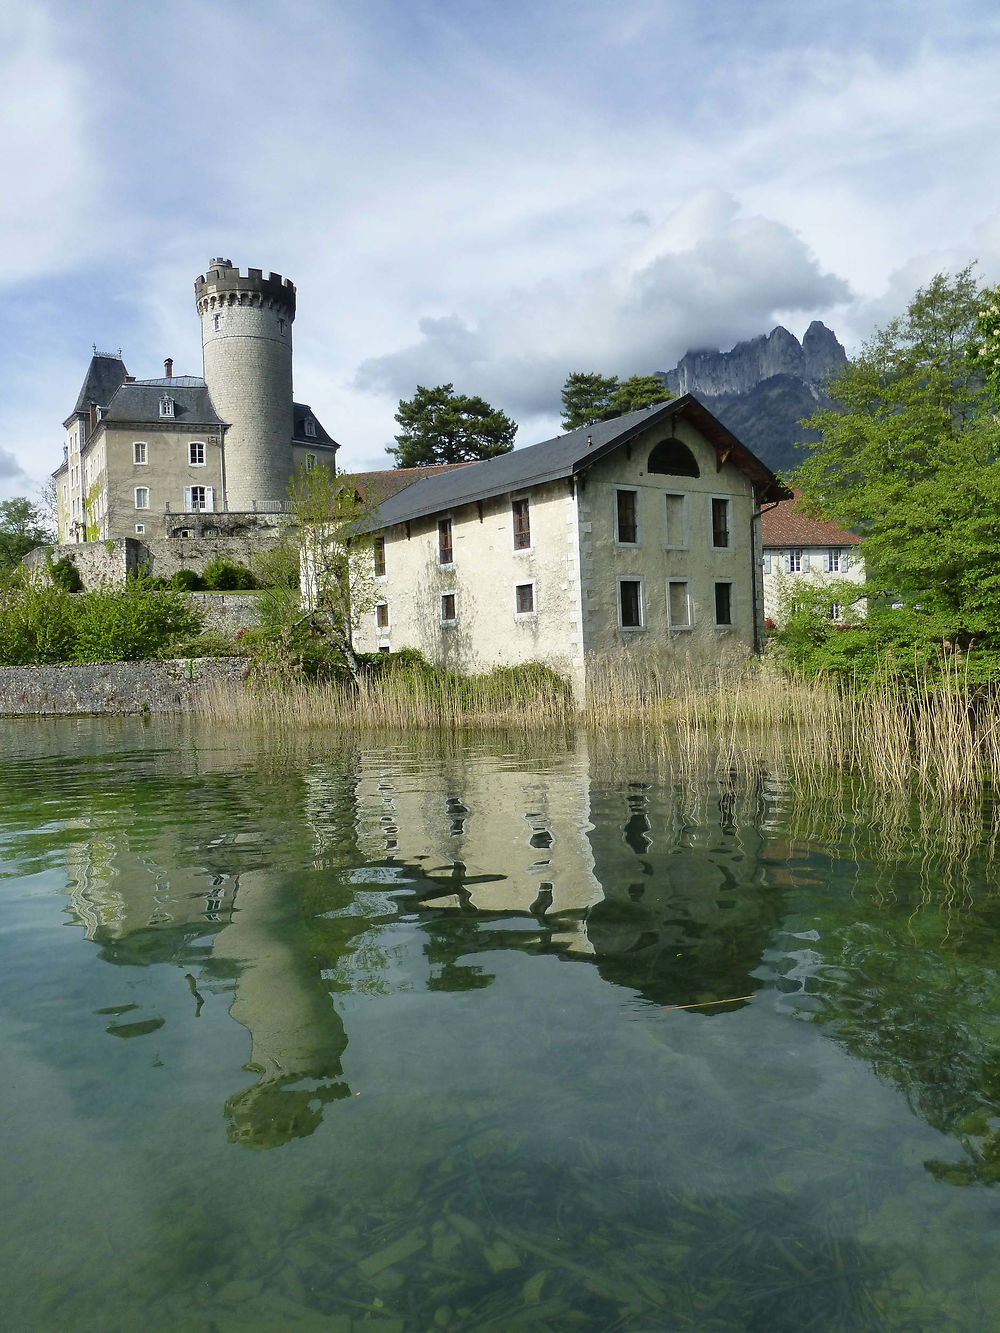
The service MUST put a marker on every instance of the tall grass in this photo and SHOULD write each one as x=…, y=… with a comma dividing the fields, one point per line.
x=736, y=715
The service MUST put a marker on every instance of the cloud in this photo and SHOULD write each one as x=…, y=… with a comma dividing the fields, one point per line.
x=705, y=277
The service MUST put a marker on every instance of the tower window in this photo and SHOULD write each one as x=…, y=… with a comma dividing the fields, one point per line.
x=196, y=453
x=217, y=322
x=281, y=329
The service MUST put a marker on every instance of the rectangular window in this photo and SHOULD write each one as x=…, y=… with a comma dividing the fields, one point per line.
x=166, y=406
x=310, y=462
x=677, y=537
x=142, y=497
x=310, y=428
x=139, y=454
x=197, y=498
x=836, y=612
x=382, y=615
x=833, y=561
x=449, y=608
x=720, y=523
x=522, y=525
x=378, y=551
x=196, y=453
x=630, y=603
x=679, y=604
x=446, y=552
x=723, y=603
x=524, y=599
x=140, y=527
x=793, y=561
x=627, y=525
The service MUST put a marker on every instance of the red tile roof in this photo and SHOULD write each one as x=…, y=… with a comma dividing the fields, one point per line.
x=786, y=525
x=378, y=486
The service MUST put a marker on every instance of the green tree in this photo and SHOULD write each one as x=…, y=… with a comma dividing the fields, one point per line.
x=586, y=396
x=22, y=528
x=908, y=458
x=640, y=391
x=439, y=426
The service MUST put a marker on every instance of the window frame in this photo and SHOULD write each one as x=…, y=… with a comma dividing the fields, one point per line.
x=520, y=535
x=309, y=426
x=382, y=627
x=378, y=556
x=688, y=624
x=795, y=562
x=199, y=446
x=453, y=594
x=638, y=628
x=166, y=406
x=141, y=529
x=443, y=525
x=730, y=623
x=726, y=500
x=142, y=490
x=208, y=495
x=533, y=612
x=137, y=447
x=634, y=492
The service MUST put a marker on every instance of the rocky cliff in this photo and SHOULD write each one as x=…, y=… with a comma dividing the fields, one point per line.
x=764, y=386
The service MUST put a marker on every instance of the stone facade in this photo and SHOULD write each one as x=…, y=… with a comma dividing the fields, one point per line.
x=617, y=558
x=116, y=687
x=145, y=454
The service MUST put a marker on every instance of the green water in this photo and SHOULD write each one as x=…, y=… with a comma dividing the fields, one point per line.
x=351, y=1034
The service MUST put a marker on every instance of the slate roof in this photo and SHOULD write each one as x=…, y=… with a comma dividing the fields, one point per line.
x=302, y=412
x=566, y=456
x=104, y=377
x=786, y=525
x=139, y=401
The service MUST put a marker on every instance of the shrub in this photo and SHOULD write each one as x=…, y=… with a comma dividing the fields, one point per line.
x=131, y=623
x=39, y=623
x=186, y=580
x=65, y=575
x=222, y=575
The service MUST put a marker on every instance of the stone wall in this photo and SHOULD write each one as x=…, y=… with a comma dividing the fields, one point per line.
x=226, y=612
x=116, y=687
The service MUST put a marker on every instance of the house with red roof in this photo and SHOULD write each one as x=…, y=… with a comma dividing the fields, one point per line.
x=801, y=550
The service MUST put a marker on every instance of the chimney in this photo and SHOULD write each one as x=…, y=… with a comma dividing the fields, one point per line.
x=168, y=367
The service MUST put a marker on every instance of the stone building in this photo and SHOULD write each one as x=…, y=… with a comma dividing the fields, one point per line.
x=151, y=458
x=799, y=550
x=633, y=536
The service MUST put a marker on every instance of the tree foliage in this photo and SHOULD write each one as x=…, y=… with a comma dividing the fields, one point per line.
x=589, y=396
x=22, y=528
x=909, y=458
x=439, y=426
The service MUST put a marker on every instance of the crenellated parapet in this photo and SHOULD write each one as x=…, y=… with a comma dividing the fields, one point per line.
x=223, y=286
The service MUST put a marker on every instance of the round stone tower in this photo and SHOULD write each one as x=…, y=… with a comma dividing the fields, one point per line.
x=246, y=339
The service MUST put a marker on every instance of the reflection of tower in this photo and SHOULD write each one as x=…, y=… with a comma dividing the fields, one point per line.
x=246, y=337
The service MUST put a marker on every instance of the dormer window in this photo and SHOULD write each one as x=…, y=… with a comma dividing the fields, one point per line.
x=310, y=428
x=166, y=406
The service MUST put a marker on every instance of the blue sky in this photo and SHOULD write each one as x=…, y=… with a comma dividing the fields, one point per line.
x=489, y=194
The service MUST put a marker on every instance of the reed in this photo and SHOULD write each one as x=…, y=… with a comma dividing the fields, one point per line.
x=735, y=715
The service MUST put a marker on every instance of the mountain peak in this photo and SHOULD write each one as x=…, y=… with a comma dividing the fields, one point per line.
x=708, y=373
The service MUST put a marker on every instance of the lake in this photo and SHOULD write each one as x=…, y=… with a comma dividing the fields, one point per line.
x=486, y=1033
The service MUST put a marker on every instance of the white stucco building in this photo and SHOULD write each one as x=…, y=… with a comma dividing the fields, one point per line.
x=801, y=550
x=631, y=536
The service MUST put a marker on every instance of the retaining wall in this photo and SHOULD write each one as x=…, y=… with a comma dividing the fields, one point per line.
x=115, y=687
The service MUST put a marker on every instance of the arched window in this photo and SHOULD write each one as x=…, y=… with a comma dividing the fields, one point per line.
x=673, y=459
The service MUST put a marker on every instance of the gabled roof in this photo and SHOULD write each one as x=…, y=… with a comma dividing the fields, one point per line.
x=381, y=485
x=104, y=377
x=139, y=402
x=786, y=525
x=301, y=413
x=566, y=456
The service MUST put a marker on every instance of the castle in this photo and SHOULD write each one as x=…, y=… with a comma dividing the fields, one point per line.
x=157, y=458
